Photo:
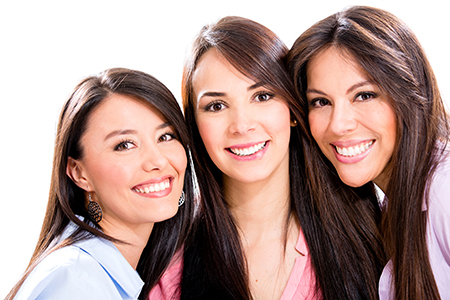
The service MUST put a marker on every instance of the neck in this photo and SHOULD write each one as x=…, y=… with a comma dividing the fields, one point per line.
x=134, y=240
x=259, y=207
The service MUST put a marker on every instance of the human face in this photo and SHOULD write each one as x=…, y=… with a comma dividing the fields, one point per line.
x=244, y=126
x=350, y=119
x=132, y=163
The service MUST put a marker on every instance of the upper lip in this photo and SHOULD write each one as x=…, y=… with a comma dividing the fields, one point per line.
x=349, y=143
x=247, y=145
x=153, y=181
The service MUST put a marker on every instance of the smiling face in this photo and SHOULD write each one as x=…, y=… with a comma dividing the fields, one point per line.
x=132, y=163
x=350, y=119
x=244, y=126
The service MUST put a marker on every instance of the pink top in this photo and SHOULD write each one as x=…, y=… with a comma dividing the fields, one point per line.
x=168, y=287
x=437, y=235
x=300, y=285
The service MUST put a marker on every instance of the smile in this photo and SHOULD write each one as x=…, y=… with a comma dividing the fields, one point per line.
x=152, y=188
x=353, y=151
x=248, y=151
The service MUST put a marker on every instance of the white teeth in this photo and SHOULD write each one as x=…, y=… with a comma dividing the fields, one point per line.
x=156, y=187
x=248, y=151
x=352, y=151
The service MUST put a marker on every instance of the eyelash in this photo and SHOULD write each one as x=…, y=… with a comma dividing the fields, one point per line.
x=264, y=93
x=124, y=142
x=171, y=134
x=371, y=95
x=210, y=106
x=119, y=146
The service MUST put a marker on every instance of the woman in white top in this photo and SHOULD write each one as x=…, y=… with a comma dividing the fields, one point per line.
x=119, y=178
x=375, y=111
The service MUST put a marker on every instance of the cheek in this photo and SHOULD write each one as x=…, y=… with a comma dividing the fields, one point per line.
x=391, y=137
x=314, y=126
x=180, y=161
x=278, y=118
x=109, y=174
x=210, y=133
x=176, y=156
x=387, y=121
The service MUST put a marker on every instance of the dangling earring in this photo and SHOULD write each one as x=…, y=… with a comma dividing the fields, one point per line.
x=182, y=199
x=94, y=210
x=294, y=123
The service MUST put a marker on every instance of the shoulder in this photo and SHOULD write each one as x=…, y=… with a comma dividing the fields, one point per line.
x=438, y=207
x=61, y=274
x=439, y=197
x=169, y=285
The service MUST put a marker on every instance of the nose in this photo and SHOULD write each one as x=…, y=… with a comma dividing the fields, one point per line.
x=342, y=119
x=241, y=120
x=154, y=159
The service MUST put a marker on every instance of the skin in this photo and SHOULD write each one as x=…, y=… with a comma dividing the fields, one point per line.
x=128, y=151
x=346, y=111
x=233, y=114
x=246, y=131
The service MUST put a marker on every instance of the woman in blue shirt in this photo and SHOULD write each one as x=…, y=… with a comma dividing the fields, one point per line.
x=115, y=215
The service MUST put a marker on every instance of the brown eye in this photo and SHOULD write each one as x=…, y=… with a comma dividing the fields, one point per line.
x=264, y=96
x=365, y=96
x=214, y=107
x=317, y=103
x=125, y=145
x=167, y=137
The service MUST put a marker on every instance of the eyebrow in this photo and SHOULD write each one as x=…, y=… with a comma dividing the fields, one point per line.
x=352, y=88
x=360, y=84
x=212, y=94
x=120, y=132
x=132, y=131
x=255, y=86
x=222, y=94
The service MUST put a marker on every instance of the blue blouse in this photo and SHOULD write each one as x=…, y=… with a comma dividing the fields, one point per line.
x=90, y=269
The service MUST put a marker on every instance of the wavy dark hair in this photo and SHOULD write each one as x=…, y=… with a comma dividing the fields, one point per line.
x=67, y=200
x=393, y=59
x=339, y=223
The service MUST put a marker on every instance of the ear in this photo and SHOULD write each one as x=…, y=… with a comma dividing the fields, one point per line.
x=75, y=172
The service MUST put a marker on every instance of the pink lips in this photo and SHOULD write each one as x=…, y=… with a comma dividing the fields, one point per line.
x=352, y=151
x=154, y=188
x=250, y=147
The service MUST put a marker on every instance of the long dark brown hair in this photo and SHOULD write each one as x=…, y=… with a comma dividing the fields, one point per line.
x=393, y=59
x=339, y=223
x=67, y=200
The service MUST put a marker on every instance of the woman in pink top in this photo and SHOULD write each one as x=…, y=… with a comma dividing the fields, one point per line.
x=263, y=231
x=376, y=113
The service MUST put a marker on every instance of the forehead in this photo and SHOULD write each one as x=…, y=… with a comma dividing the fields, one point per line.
x=123, y=110
x=334, y=64
x=213, y=70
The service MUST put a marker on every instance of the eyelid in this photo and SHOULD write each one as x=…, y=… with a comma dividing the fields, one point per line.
x=270, y=94
x=123, y=142
x=312, y=103
x=209, y=105
x=171, y=133
x=372, y=95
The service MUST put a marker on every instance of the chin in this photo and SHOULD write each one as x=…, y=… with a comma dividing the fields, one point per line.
x=164, y=214
x=353, y=183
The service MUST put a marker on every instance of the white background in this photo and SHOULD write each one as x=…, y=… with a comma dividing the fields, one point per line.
x=47, y=47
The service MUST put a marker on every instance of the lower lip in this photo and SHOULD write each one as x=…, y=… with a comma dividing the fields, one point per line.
x=254, y=156
x=352, y=159
x=159, y=194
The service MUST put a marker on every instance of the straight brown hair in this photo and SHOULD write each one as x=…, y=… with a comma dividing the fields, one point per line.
x=67, y=200
x=343, y=248
x=392, y=58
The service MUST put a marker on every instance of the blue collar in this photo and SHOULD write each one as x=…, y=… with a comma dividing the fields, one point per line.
x=112, y=261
